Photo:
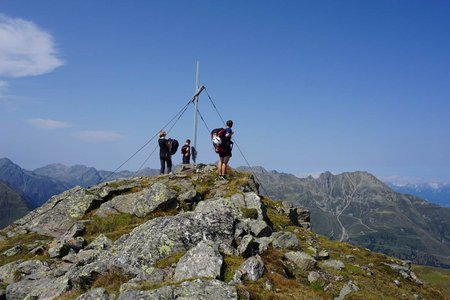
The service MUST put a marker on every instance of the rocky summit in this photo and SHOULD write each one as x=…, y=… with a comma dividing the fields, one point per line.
x=188, y=236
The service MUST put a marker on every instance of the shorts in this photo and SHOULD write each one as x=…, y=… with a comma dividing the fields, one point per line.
x=225, y=154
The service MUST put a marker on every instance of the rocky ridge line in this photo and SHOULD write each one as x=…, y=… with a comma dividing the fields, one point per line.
x=185, y=236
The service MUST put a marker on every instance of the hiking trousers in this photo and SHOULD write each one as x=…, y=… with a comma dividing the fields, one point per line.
x=164, y=161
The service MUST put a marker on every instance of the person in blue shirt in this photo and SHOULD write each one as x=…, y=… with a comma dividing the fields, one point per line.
x=224, y=157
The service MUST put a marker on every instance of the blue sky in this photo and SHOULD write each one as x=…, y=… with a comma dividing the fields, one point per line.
x=310, y=85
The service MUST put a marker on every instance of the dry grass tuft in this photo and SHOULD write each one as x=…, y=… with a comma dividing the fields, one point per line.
x=111, y=280
x=169, y=260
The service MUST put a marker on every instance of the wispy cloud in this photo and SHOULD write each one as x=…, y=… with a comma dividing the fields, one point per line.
x=98, y=136
x=25, y=49
x=48, y=124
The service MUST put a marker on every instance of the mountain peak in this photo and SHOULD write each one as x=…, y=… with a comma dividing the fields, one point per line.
x=189, y=236
x=359, y=208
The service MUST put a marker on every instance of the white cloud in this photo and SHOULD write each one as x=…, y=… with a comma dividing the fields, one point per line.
x=25, y=49
x=48, y=124
x=98, y=136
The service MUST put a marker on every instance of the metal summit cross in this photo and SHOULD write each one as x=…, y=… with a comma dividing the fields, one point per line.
x=198, y=90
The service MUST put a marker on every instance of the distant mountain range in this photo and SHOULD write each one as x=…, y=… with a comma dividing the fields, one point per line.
x=37, y=186
x=12, y=205
x=35, y=189
x=358, y=208
x=86, y=176
x=435, y=192
x=354, y=207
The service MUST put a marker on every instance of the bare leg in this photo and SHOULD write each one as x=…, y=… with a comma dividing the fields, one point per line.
x=224, y=161
x=219, y=166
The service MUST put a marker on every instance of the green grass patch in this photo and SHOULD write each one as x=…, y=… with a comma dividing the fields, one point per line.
x=317, y=286
x=169, y=260
x=250, y=213
x=116, y=225
x=278, y=221
x=22, y=240
x=231, y=263
x=436, y=277
x=236, y=182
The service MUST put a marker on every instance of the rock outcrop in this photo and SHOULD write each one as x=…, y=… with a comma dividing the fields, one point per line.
x=181, y=236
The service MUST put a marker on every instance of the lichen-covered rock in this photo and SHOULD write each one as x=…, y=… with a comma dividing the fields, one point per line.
x=58, y=249
x=40, y=250
x=60, y=213
x=335, y=264
x=161, y=237
x=283, y=239
x=43, y=288
x=256, y=228
x=7, y=271
x=86, y=256
x=100, y=243
x=248, y=200
x=77, y=243
x=349, y=287
x=189, y=290
x=313, y=276
x=248, y=247
x=259, y=228
x=33, y=269
x=253, y=268
x=322, y=255
x=202, y=261
x=405, y=271
x=301, y=260
x=13, y=251
x=141, y=203
x=297, y=215
x=108, y=190
x=252, y=200
x=263, y=244
x=76, y=230
x=96, y=294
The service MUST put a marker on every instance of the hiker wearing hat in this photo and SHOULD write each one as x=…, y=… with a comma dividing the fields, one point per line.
x=164, y=153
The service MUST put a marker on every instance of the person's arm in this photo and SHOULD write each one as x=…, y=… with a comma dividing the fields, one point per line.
x=229, y=133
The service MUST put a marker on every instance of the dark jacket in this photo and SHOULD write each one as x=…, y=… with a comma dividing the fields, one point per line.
x=163, y=148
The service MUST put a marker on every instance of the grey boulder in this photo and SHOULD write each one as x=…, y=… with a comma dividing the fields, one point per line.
x=202, y=261
x=141, y=203
x=253, y=268
x=283, y=239
x=189, y=290
x=301, y=260
x=96, y=294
